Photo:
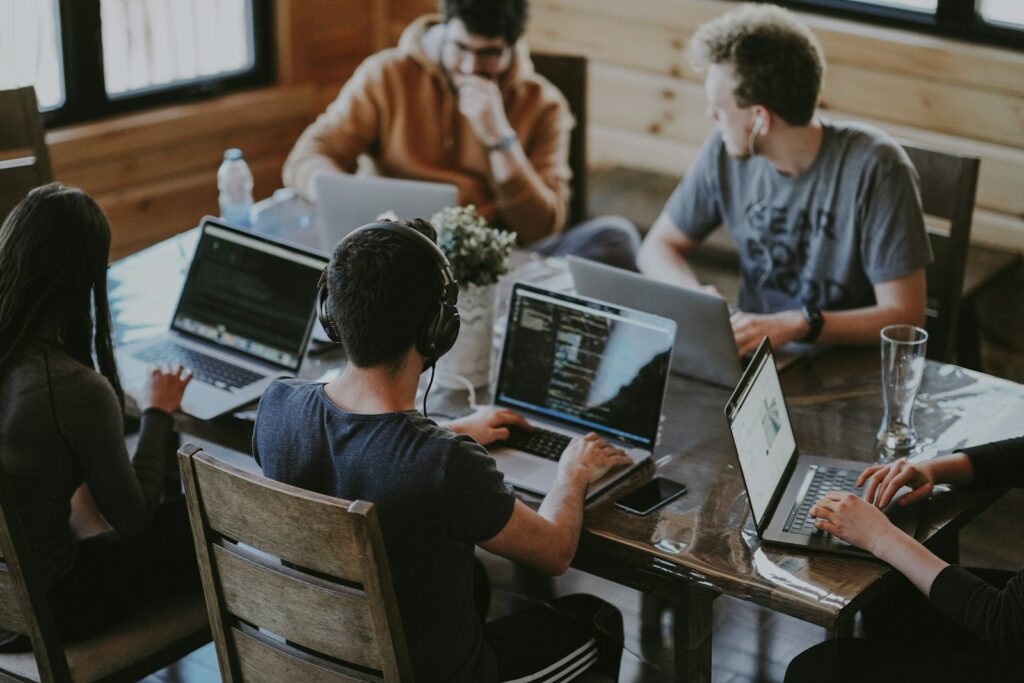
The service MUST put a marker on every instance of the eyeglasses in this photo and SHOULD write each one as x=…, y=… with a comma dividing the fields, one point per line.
x=489, y=56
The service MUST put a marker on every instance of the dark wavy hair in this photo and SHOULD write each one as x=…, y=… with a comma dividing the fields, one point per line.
x=382, y=287
x=54, y=247
x=489, y=18
x=778, y=62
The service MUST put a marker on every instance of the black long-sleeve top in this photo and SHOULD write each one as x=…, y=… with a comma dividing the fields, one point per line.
x=994, y=615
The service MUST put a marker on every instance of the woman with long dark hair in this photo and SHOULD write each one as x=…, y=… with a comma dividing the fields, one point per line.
x=61, y=423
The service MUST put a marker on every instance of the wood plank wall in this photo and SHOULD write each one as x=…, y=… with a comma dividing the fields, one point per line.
x=647, y=106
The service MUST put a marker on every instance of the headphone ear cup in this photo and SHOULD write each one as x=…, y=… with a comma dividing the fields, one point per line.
x=439, y=333
x=322, y=312
x=449, y=325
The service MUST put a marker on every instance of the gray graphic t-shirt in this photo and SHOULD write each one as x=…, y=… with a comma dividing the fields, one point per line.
x=823, y=238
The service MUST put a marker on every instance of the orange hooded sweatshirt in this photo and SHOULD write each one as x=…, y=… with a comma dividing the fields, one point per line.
x=400, y=109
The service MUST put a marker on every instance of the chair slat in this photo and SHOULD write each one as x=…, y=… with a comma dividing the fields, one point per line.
x=334, y=620
x=261, y=662
x=240, y=506
x=12, y=616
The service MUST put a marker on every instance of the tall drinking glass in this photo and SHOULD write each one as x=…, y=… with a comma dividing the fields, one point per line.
x=902, y=369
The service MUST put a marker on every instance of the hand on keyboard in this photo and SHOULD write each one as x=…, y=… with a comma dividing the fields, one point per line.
x=882, y=482
x=592, y=457
x=164, y=388
x=489, y=425
x=852, y=519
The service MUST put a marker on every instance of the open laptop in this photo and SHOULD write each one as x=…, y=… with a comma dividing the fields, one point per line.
x=782, y=484
x=571, y=366
x=346, y=202
x=704, y=346
x=243, y=319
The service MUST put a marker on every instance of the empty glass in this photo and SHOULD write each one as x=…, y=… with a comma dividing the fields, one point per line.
x=902, y=369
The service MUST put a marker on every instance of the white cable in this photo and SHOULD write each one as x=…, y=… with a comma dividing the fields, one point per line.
x=469, y=388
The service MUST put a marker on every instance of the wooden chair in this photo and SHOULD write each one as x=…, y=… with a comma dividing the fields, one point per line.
x=948, y=185
x=568, y=73
x=297, y=583
x=149, y=641
x=24, y=159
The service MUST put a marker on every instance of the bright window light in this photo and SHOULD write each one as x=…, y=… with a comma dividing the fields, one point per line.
x=1009, y=12
x=149, y=44
x=30, y=52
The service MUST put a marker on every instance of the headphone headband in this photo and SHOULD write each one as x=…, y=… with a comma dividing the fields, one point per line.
x=439, y=332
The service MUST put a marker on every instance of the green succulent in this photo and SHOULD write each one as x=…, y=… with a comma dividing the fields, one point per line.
x=477, y=252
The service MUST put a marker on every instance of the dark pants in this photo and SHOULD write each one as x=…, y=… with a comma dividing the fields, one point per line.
x=113, y=577
x=562, y=638
x=612, y=240
x=908, y=640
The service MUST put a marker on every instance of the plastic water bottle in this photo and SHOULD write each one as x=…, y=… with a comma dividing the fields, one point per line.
x=234, y=182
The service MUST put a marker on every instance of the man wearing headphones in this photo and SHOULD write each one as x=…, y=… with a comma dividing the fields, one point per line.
x=826, y=216
x=389, y=298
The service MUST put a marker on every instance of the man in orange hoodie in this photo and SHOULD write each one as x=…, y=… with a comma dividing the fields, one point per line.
x=458, y=101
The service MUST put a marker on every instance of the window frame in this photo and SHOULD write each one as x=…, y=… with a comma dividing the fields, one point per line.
x=85, y=94
x=952, y=19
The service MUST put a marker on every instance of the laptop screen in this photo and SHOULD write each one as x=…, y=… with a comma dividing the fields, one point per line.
x=593, y=365
x=761, y=430
x=250, y=295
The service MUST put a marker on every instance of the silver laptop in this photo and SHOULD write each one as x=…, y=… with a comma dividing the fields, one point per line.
x=346, y=202
x=704, y=346
x=782, y=485
x=571, y=366
x=243, y=319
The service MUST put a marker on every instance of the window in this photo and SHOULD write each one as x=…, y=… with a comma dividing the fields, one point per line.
x=30, y=49
x=999, y=22
x=92, y=59
x=1006, y=12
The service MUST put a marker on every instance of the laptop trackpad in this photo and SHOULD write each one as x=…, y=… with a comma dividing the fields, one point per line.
x=517, y=468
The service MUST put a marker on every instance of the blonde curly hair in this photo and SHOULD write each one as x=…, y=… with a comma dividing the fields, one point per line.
x=778, y=62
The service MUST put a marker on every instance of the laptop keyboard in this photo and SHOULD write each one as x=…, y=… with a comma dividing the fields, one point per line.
x=825, y=479
x=208, y=369
x=537, y=441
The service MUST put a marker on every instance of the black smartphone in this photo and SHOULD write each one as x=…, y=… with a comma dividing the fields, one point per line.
x=651, y=496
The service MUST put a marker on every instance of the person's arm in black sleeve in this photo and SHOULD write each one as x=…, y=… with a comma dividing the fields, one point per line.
x=996, y=616
x=127, y=491
x=998, y=463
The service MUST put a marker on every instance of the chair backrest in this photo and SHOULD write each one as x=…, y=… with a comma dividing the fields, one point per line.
x=297, y=583
x=948, y=186
x=24, y=159
x=23, y=604
x=568, y=73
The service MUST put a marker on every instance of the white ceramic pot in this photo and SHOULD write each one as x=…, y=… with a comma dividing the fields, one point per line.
x=471, y=356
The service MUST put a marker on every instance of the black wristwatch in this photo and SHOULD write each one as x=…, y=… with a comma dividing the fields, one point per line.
x=815, y=320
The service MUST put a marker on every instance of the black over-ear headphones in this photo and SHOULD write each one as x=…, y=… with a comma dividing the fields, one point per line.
x=440, y=329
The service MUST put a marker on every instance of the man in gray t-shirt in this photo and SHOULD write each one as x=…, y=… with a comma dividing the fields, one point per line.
x=826, y=217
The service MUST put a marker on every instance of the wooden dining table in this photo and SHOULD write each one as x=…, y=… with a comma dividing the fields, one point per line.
x=703, y=544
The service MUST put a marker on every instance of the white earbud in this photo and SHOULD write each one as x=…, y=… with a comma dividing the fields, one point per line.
x=754, y=132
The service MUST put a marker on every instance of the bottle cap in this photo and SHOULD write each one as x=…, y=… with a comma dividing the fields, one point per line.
x=233, y=154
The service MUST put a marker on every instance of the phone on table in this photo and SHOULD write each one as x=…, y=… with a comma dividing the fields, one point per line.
x=651, y=496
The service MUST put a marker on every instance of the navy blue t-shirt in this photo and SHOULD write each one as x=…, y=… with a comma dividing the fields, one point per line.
x=437, y=495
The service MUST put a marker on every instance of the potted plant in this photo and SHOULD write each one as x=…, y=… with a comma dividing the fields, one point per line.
x=478, y=254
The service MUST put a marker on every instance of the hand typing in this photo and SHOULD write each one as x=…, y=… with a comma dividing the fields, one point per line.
x=781, y=328
x=164, y=388
x=488, y=425
x=590, y=456
x=884, y=481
